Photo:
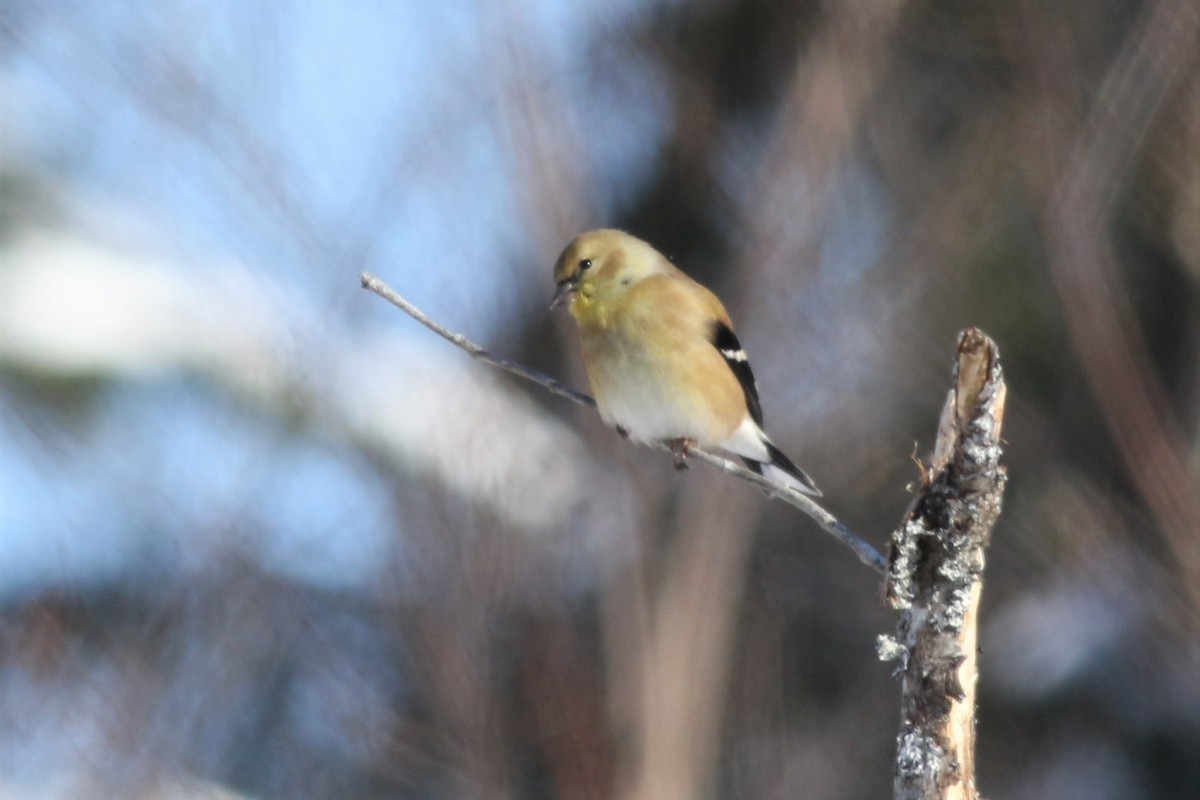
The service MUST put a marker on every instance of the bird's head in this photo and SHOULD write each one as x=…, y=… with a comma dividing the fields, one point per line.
x=599, y=266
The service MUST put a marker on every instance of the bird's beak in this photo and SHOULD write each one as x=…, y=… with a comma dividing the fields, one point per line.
x=566, y=289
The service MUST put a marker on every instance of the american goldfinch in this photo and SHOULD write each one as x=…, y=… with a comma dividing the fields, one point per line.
x=661, y=354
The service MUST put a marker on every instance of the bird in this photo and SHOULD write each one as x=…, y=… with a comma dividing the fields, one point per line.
x=661, y=356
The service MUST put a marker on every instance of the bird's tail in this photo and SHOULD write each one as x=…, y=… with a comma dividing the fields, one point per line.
x=784, y=464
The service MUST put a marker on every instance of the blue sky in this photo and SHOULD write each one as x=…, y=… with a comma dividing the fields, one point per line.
x=379, y=125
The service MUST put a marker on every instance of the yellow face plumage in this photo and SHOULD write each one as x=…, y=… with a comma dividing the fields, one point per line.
x=597, y=267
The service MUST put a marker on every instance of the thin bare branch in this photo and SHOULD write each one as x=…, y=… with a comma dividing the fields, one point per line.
x=380, y=288
x=829, y=523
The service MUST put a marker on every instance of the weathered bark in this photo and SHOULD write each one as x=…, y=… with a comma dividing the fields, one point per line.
x=935, y=577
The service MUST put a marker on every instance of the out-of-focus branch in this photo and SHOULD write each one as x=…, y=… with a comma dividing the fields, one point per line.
x=935, y=577
x=1088, y=169
x=830, y=524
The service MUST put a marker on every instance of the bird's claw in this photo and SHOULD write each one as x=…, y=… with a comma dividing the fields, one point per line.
x=680, y=447
x=622, y=432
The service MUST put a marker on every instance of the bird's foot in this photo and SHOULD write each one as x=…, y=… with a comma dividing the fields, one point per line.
x=622, y=432
x=680, y=448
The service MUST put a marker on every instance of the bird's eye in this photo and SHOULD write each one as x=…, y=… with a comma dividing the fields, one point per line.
x=585, y=264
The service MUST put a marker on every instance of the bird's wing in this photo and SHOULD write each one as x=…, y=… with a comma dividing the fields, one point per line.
x=725, y=340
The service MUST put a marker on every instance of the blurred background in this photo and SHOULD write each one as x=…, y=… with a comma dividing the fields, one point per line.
x=263, y=536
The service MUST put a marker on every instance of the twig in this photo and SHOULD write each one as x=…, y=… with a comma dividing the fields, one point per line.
x=865, y=552
x=380, y=288
x=935, y=578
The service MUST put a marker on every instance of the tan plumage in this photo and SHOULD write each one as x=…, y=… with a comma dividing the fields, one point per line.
x=660, y=352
